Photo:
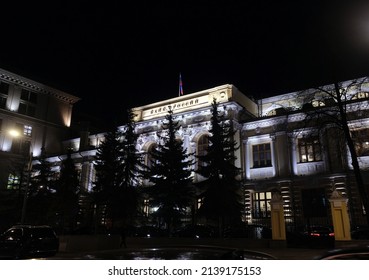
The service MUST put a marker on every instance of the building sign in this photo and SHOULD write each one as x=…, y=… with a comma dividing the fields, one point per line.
x=176, y=107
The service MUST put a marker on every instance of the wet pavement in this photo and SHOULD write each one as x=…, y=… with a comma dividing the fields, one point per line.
x=279, y=250
x=294, y=253
x=278, y=253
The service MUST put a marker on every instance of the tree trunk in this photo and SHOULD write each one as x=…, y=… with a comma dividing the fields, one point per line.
x=355, y=164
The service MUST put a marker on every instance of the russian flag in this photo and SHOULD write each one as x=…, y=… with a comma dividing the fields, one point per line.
x=180, y=85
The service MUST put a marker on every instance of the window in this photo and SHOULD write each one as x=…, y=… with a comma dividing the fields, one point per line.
x=149, y=157
x=22, y=144
x=2, y=102
x=318, y=103
x=261, y=206
x=262, y=155
x=202, y=148
x=4, y=88
x=27, y=109
x=309, y=149
x=361, y=141
x=27, y=130
x=24, y=129
x=28, y=102
x=29, y=96
x=146, y=207
x=13, y=182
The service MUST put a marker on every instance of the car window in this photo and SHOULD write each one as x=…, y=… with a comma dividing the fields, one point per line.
x=13, y=234
x=42, y=232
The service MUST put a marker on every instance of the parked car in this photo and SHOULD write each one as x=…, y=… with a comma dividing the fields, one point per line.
x=313, y=236
x=25, y=241
x=359, y=252
x=197, y=252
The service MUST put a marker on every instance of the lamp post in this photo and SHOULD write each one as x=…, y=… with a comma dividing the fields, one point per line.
x=25, y=197
x=16, y=134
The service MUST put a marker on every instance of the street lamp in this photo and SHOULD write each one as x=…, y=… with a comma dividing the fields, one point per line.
x=15, y=134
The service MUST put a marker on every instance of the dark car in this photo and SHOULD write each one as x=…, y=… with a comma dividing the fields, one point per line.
x=179, y=253
x=358, y=252
x=313, y=236
x=26, y=241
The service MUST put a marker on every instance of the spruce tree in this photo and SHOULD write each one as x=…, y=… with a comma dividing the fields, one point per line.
x=132, y=173
x=67, y=190
x=118, y=172
x=172, y=191
x=41, y=193
x=108, y=166
x=220, y=191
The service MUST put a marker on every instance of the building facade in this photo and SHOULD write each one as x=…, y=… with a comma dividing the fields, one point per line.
x=33, y=118
x=288, y=143
x=286, y=146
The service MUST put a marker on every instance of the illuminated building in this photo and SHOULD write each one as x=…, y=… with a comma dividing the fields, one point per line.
x=279, y=150
x=33, y=116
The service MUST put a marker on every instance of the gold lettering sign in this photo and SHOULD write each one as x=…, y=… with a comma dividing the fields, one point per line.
x=176, y=106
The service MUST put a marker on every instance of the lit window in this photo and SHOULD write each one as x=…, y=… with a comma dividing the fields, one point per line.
x=262, y=155
x=27, y=131
x=309, y=149
x=13, y=182
x=361, y=141
x=318, y=103
x=146, y=207
x=261, y=204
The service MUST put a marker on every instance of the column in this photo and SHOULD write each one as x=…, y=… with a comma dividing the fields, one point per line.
x=340, y=217
x=277, y=217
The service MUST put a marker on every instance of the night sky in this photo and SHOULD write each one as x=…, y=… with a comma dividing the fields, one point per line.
x=121, y=54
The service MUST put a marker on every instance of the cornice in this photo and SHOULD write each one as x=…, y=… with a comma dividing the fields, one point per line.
x=37, y=87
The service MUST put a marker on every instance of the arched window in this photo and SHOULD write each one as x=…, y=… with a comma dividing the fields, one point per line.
x=149, y=158
x=202, y=148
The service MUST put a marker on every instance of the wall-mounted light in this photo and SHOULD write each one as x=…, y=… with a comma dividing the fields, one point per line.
x=14, y=133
